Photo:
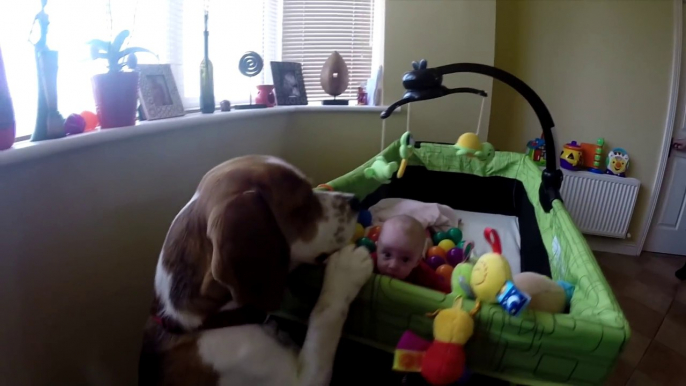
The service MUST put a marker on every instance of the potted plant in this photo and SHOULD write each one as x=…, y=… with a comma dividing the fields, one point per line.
x=116, y=92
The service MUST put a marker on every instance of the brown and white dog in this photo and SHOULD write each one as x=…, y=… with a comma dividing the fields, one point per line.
x=226, y=256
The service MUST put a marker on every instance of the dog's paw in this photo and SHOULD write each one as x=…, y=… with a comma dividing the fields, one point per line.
x=347, y=270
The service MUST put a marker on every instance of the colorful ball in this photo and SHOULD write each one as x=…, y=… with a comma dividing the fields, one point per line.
x=455, y=256
x=365, y=218
x=359, y=232
x=436, y=251
x=446, y=244
x=439, y=236
x=455, y=234
x=435, y=261
x=91, y=120
x=367, y=243
x=374, y=232
x=445, y=271
x=460, y=244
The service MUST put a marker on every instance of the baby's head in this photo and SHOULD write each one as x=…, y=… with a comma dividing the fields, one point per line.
x=401, y=246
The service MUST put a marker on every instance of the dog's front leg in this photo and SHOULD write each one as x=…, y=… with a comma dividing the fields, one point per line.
x=346, y=273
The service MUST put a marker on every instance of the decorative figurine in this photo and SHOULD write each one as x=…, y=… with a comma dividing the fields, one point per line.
x=335, y=79
x=49, y=122
x=592, y=155
x=265, y=95
x=225, y=105
x=207, y=105
x=571, y=156
x=250, y=65
x=617, y=162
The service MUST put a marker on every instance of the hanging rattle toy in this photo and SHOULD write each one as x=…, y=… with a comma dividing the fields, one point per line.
x=423, y=84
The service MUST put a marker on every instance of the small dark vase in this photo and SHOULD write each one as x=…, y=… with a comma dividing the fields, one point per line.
x=7, y=125
x=265, y=95
x=116, y=97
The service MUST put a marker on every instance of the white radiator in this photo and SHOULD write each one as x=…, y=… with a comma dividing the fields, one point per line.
x=600, y=204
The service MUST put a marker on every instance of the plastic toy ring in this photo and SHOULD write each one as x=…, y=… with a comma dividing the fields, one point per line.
x=401, y=170
x=492, y=237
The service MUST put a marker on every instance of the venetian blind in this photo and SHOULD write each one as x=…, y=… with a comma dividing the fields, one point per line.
x=313, y=29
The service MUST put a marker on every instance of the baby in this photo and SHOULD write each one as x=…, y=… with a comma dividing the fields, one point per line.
x=400, y=248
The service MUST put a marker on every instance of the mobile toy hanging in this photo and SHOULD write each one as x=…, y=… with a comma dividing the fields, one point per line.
x=424, y=84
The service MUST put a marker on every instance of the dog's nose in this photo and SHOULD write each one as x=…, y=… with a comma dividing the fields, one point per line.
x=354, y=204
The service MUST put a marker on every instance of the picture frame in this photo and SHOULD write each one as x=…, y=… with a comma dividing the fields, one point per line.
x=289, y=85
x=158, y=93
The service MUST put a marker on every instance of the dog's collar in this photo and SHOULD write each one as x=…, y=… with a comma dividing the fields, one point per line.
x=228, y=318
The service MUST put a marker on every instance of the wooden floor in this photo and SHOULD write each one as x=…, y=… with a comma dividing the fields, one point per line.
x=654, y=302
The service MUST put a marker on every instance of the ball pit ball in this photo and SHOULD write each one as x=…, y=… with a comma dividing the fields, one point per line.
x=445, y=271
x=436, y=251
x=367, y=243
x=374, y=237
x=365, y=218
x=375, y=230
x=435, y=261
x=374, y=257
x=359, y=232
x=455, y=234
x=446, y=244
x=455, y=256
x=91, y=120
x=460, y=244
x=439, y=236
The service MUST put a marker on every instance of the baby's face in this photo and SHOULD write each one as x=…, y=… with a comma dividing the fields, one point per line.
x=399, y=251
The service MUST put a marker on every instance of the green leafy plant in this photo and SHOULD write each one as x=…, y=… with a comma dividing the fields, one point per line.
x=116, y=57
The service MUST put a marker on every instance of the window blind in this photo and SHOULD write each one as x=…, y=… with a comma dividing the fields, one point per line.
x=314, y=29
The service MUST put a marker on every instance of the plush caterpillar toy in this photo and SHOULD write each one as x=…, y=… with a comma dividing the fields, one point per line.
x=441, y=361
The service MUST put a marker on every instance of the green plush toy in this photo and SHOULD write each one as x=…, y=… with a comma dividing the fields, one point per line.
x=406, y=150
x=381, y=170
x=460, y=280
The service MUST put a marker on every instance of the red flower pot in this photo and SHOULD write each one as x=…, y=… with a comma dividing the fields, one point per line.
x=265, y=95
x=116, y=98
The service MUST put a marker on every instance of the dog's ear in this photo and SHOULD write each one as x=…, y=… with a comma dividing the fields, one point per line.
x=250, y=253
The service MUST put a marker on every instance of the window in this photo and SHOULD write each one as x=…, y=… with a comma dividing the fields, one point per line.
x=306, y=31
x=313, y=29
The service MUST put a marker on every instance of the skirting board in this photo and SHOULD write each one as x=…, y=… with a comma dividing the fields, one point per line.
x=621, y=247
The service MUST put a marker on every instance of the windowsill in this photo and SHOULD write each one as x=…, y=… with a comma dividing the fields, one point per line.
x=26, y=150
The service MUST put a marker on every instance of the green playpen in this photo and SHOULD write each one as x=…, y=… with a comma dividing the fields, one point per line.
x=580, y=347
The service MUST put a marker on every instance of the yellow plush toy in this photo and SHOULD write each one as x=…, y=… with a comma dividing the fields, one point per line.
x=491, y=272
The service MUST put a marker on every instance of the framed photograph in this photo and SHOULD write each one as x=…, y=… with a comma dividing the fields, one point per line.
x=158, y=93
x=288, y=83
